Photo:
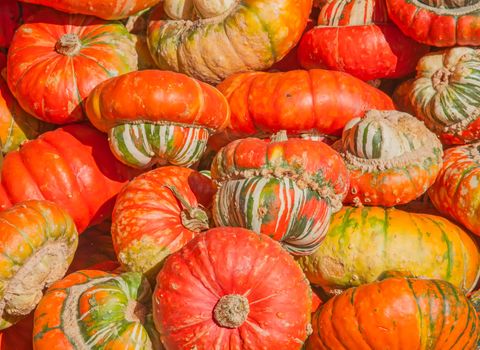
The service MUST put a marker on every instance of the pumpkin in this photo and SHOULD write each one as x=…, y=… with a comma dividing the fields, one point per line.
x=286, y=189
x=363, y=243
x=440, y=23
x=392, y=158
x=71, y=166
x=157, y=116
x=157, y=214
x=475, y=300
x=92, y=309
x=456, y=191
x=230, y=288
x=396, y=313
x=316, y=101
x=37, y=242
x=384, y=52
x=56, y=59
x=106, y=9
x=445, y=93
x=211, y=40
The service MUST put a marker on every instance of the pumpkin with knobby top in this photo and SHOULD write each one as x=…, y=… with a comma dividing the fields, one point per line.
x=92, y=309
x=285, y=188
x=456, y=192
x=37, y=242
x=56, y=59
x=71, y=166
x=440, y=23
x=157, y=117
x=157, y=214
x=357, y=37
x=106, y=9
x=363, y=243
x=445, y=94
x=391, y=156
x=396, y=313
x=211, y=40
x=235, y=288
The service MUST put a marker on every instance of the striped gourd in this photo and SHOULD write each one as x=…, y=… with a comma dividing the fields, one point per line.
x=392, y=157
x=95, y=310
x=475, y=300
x=363, y=243
x=396, y=313
x=286, y=189
x=446, y=94
x=353, y=13
x=139, y=145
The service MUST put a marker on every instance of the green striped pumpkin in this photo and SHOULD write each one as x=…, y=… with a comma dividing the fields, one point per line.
x=475, y=300
x=95, y=310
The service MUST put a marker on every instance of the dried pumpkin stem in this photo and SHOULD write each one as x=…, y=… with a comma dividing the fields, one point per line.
x=68, y=45
x=231, y=310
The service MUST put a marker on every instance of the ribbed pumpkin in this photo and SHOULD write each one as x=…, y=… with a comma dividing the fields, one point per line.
x=211, y=40
x=363, y=243
x=106, y=9
x=230, y=288
x=157, y=214
x=71, y=166
x=438, y=22
x=456, y=192
x=446, y=94
x=316, y=101
x=37, y=243
x=56, y=59
x=392, y=158
x=357, y=37
x=396, y=313
x=285, y=189
x=92, y=309
x=157, y=116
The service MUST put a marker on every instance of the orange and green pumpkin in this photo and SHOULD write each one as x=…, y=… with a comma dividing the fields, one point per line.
x=363, y=243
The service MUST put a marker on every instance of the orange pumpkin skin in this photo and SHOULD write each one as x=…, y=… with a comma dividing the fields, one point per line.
x=56, y=59
x=456, y=191
x=106, y=9
x=157, y=214
x=396, y=313
x=71, y=166
x=318, y=101
x=260, y=275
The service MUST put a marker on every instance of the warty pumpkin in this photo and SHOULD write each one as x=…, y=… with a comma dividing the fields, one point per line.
x=157, y=213
x=230, y=288
x=396, y=313
x=363, y=243
x=211, y=40
x=56, y=59
x=157, y=116
x=285, y=188
x=391, y=156
x=92, y=309
x=37, y=242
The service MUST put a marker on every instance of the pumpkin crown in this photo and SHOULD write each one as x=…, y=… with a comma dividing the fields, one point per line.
x=197, y=8
x=231, y=310
x=68, y=45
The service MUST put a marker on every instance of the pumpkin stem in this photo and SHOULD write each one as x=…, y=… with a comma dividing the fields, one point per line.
x=279, y=136
x=136, y=312
x=440, y=79
x=231, y=310
x=68, y=45
x=194, y=219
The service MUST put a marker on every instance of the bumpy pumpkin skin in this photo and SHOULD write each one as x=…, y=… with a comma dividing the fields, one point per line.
x=445, y=93
x=106, y=9
x=71, y=166
x=92, y=309
x=242, y=297
x=363, y=243
x=157, y=214
x=391, y=156
x=56, y=59
x=286, y=189
x=38, y=240
x=456, y=192
x=157, y=116
x=396, y=313
x=211, y=40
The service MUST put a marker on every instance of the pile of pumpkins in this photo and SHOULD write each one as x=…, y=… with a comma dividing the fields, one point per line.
x=239, y=174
